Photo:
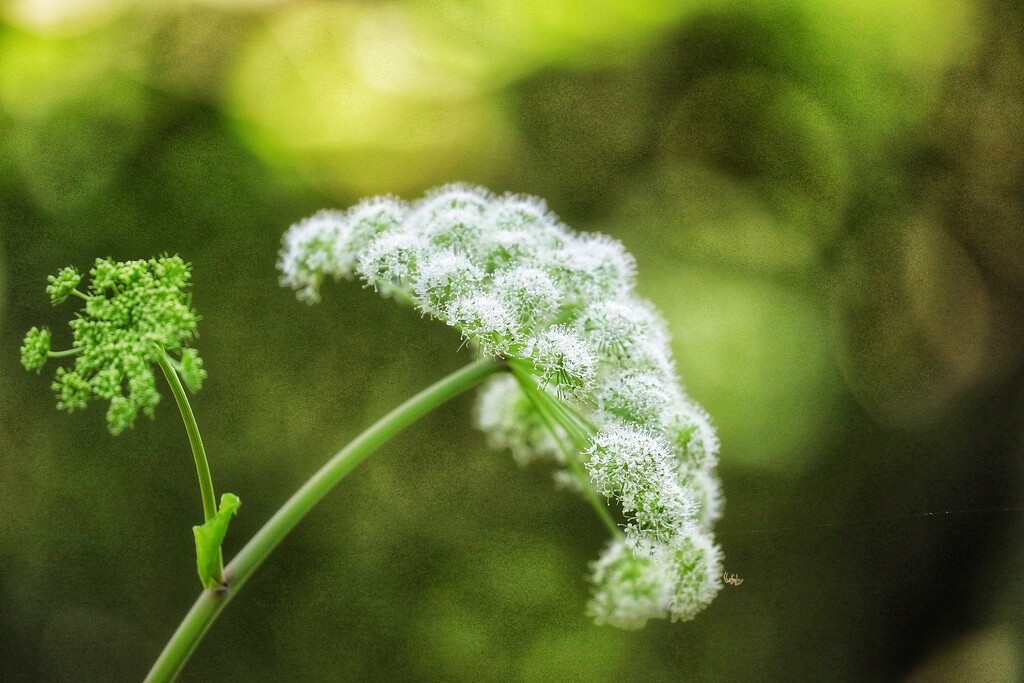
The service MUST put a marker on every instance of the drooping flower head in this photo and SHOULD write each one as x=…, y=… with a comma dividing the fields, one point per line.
x=594, y=386
x=134, y=312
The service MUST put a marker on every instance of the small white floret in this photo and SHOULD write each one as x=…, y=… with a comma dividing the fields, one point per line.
x=564, y=361
x=632, y=583
x=307, y=253
x=485, y=319
x=690, y=429
x=531, y=293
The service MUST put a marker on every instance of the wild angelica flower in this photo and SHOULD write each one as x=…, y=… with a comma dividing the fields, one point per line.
x=134, y=312
x=595, y=389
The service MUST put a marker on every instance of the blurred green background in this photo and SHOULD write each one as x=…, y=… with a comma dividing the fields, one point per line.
x=826, y=201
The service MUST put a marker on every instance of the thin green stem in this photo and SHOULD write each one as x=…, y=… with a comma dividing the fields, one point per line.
x=581, y=426
x=194, y=439
x=210, y=603
x=578, y=429
x=547, y=407
x=64, y=354
x=585, y=427
x=79, y=294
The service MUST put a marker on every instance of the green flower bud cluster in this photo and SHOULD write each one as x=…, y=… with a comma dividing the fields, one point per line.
x=35, y=349
x=134, y=312
x=520, y=285
x=62, y=284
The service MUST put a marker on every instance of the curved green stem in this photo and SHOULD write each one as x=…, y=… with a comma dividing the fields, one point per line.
x=194, y=439
x=210, y=603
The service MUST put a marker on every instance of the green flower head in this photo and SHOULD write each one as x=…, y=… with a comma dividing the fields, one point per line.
x=35, y=349
x=135, y=313
x=62, y=284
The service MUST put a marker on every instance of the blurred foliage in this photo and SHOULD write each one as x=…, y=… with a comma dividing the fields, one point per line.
x=826, y=203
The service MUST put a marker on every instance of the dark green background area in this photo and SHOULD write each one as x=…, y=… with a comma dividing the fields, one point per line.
x=826, y=201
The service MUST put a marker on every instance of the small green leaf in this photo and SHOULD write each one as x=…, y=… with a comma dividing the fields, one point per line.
x=209, y=538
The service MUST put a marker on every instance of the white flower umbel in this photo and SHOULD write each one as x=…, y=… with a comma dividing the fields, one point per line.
x=615, y=327
x=364, y=221
x=638, y=467
x=631, y=584
x=486, y=319
x=697, y=563
x=695, y=440
x=444, y=276
x=594, y=390
x=707, y=491
x=520, y=230
x=563, y=361
x=594, y=267
x=640, y=579
x=628, y=333
x=451, y=216
x=639, y=396
x=531, y=293
x=308, y=252
x=390, y=260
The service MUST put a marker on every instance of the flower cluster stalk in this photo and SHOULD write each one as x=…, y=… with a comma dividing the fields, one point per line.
x=195, y=440
x=556, y=414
